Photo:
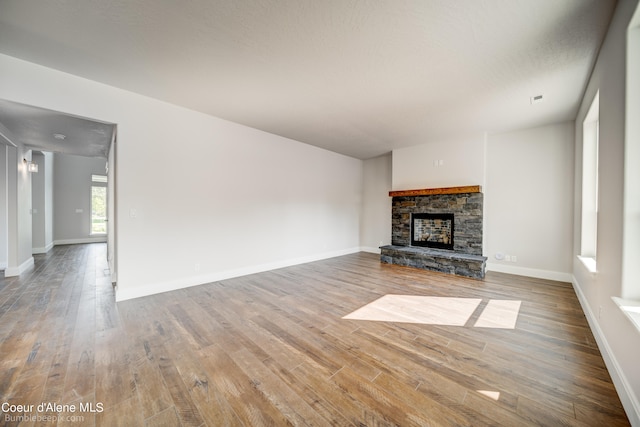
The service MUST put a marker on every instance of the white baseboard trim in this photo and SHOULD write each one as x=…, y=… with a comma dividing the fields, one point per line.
x=370, y=250
x=47, y=248
x=142, y=291
x=42, y=250
x=101, y=239
x=16, y=271
x=529, y=272
x=625, y=391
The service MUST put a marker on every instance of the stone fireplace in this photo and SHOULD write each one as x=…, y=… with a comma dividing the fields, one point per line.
x=437, y=229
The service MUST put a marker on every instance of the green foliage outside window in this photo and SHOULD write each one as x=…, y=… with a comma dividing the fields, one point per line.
x=98, y=210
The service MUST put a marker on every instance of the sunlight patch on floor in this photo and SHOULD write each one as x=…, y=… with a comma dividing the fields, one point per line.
x=499, y=314
x=444, y=311
x=418, y=309
x=495, y=395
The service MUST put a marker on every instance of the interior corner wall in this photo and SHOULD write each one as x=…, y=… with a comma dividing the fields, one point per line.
x=48, y=200
x=527, y=179
x=4, y=230
x=72, y=200
x=618, y=339
x=12, y=212
x=375, y=225
x=200, y=199
x=38, y=211
x=42, y=203
x=24, y=208
x=18, y=202
x=529, y=201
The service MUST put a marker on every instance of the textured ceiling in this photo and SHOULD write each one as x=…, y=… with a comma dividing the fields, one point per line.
x=36, y=128
x=356, y=77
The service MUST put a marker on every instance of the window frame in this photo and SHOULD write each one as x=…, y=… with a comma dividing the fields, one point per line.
x=590, y=172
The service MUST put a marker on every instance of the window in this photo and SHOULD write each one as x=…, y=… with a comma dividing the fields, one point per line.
x=98, y=204
x=629, y=300
x=589, y=235
x=631, y=231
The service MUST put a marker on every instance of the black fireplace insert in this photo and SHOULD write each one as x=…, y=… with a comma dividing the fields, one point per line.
x=432, y=230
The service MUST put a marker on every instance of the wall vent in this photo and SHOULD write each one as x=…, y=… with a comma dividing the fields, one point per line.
x=536, y=99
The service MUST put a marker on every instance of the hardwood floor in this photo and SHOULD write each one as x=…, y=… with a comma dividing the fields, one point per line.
x=274, y=349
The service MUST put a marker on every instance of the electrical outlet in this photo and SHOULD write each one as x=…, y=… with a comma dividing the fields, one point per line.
x=507, y=258
x=514, y=258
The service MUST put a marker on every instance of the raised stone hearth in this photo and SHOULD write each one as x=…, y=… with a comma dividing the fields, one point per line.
x=465, y=204
x=435, y=259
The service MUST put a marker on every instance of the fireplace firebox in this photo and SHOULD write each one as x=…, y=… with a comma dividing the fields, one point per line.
x=432, y=230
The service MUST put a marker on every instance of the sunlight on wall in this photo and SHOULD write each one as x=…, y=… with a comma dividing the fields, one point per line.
x=445, y=311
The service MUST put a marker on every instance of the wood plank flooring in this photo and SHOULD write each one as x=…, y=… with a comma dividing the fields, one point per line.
x=273, y=349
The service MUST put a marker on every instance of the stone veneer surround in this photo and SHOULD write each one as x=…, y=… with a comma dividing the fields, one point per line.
x=466, y=204
x=467, y=215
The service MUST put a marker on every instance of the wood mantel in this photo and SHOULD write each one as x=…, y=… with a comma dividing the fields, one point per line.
x=432, y=191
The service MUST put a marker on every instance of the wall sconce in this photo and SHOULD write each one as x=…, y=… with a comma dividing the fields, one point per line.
x=31, y=166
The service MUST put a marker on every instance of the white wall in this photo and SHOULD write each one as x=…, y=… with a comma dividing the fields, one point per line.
x=375, y=224
x=18, y=189
x=462, y=164
x=72, y=193
x=200, y=198
x=42, y=203
x=529, y=201
x=527, y=179
x=38, y=214
x=49, y=163
x=618, y=339
x=111, y=209
x=3, y=208
x=24, y=207
x=631, y=266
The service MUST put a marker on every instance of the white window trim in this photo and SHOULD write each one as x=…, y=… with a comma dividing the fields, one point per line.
x=589, y=263
x=630, y=308
x=590, y=148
